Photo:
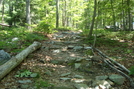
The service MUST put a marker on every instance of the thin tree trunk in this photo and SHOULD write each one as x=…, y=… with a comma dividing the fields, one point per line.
x=93, y=20
x=57, y=13
x=1, y=2
x=10, y=12
x=2, y=13
x=129, y=16
x=28, y=17
x=113, y=15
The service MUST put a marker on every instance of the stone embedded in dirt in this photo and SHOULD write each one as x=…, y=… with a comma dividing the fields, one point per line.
x=55, y=47
x=118, y=79
x=79, y=59
x=77, y=65
x=70, y=47
x=78, y=76
x=65, y=79
x=24, y=81
x=65, y=74
x=87, y=47
x=24, y=86
x=57, y=51
x=48, y=72
x=103, y=84
x=101, y=77
x=96, y=58
x=58, y=62
x=78, y=47
x=70, y=42
x=4, y=57
x=81, y=86
x=78, y=80
x=60, y=36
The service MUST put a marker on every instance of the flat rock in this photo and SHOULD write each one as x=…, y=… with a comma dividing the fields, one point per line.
x=24, y=81
x=81, y=86
x=78, y=47
x=78, y=80
x=118, y=79
x=87, y=47
x=70, y=47
x=65, y=74
x=65, y=79
x=103, y=84
x=101, y=77
x=77, y=65
x=78, y=76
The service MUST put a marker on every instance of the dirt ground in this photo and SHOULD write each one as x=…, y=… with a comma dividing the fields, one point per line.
x=50, y=62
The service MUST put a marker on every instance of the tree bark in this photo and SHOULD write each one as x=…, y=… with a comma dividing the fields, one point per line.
x=57, y=13
x=93, y=20
x=28, y=17
x=129, y=16
x=113, y=15
x=14, y=61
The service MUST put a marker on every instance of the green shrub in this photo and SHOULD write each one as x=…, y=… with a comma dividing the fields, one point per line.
x=131, y=70
x=44, y=27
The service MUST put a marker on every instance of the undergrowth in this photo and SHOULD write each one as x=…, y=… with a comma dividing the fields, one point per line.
x=111, y=40
x=14, y=40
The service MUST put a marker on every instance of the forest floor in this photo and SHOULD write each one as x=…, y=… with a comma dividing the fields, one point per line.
x=54, y=71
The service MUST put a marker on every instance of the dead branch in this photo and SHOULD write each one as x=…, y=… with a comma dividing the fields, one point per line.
x=115, y=65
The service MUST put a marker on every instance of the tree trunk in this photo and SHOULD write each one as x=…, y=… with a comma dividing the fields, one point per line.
x=129, y=16
x=10, y=13
x=113, y=15
x=2, y=13
x=57, y=13
x=93, y=20
x=14, y=61
x=1, y=2
x=28, y=17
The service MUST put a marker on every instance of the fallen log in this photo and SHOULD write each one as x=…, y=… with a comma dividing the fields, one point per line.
x=115, y=66
x=14, y=61
x=4, y=25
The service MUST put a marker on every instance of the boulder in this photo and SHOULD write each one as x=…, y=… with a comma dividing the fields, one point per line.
x=118, y=79
x=4, y=57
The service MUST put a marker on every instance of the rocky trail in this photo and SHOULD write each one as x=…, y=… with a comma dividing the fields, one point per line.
x=62, y=62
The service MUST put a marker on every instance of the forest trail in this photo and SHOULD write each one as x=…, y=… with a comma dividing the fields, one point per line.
x=62, y=62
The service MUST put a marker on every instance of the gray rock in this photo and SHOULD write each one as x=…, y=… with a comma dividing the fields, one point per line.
x=87, y=47
x=60, y=36
x=4, y=57
x=65, y=79
x=78, y=76
x=55, y=47
x=78, y=47
x=56, y=51
x=24, y=86
x=70, y=47
x=65, y=74
x=79, y=59
x=103, y=84
x=101, y=77
x=77, y=65
x=81, y=86
x=24, y=81
x=15, y=39
x=118, y=79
